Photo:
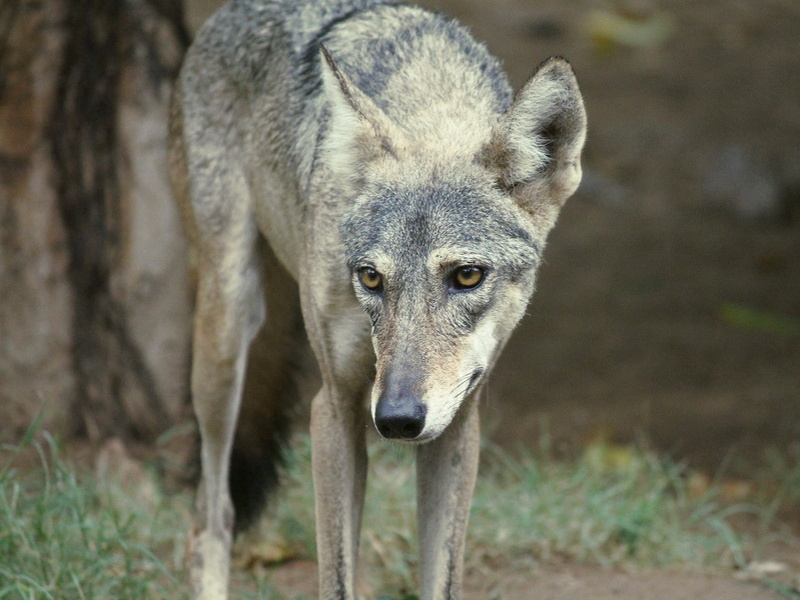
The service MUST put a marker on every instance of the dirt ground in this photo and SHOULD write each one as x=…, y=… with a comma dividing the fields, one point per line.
x=570, y=583
x=689, y=213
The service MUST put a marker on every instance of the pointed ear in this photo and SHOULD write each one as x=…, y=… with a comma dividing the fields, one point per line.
x=359, y=131
x=536, y=146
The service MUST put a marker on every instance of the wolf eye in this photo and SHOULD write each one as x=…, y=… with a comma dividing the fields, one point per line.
x=466, y=278
x=371, y=279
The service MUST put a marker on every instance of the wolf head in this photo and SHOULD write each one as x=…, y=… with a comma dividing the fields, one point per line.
x=443, y=241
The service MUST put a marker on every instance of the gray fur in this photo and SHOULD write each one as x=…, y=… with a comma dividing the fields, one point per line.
x=377, y=148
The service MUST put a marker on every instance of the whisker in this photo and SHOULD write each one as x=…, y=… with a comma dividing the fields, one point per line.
x=464, y=381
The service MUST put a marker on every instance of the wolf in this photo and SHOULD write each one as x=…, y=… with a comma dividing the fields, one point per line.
x=374, y=153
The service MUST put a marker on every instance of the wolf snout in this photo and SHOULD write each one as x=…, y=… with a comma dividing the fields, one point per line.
x=399, y=414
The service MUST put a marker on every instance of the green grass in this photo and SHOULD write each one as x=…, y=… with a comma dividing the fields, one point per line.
x=65, y=535
x=603, y=513
x=612, y=506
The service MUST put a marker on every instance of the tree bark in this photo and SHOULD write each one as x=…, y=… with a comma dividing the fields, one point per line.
x=94, y=312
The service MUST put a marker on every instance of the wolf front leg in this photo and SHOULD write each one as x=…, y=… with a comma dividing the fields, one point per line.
x=340, y=466
x=229, y=312
x=340, y=338
x=446, y=472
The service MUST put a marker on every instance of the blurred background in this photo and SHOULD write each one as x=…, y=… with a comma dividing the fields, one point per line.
x=668, y=309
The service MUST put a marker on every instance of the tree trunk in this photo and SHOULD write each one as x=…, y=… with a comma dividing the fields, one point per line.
x=94, y=309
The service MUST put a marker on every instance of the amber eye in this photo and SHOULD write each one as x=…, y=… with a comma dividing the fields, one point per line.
x=465, y=278
x=371, y=279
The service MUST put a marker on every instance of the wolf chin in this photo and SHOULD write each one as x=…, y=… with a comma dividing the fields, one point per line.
x=373, y=153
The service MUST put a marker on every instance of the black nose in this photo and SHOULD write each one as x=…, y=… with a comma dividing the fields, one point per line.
x=400, y=418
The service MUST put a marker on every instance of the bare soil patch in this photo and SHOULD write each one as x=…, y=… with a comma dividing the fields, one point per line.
x=569, y=582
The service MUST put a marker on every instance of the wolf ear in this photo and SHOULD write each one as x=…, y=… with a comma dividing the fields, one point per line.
x=359, y=131
x=536, y=145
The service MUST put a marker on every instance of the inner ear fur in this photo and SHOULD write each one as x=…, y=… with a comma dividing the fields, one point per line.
x=535, y=147
x=359, y=130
